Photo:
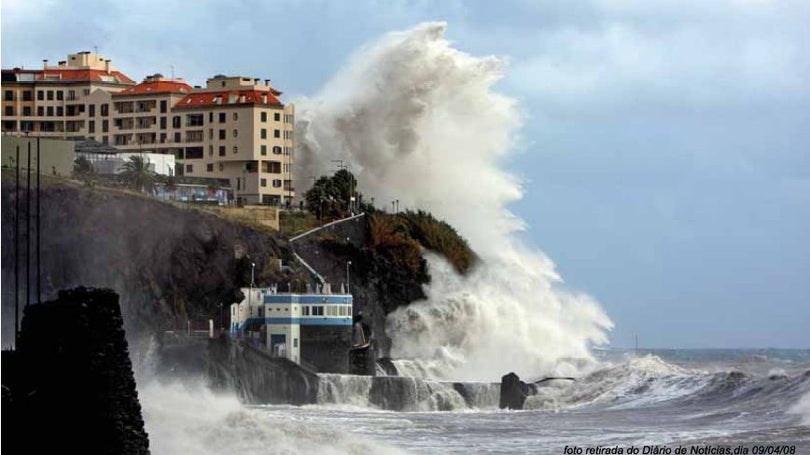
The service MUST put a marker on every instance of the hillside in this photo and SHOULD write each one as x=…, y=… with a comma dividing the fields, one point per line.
x=172, y=264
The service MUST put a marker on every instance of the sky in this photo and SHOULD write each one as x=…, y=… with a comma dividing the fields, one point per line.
x=665, y=151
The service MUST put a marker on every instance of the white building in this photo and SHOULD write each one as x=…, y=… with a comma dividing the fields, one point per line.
x=310, y=329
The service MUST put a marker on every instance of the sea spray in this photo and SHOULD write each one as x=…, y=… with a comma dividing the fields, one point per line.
x=188, y=418
x=420, y=122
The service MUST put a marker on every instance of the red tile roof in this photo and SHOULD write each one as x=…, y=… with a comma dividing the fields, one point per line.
x=225, y=98
x=75, y=75
x=149, y=87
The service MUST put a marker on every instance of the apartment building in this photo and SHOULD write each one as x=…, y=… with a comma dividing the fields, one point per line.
x=68, y=100
x=235, y=128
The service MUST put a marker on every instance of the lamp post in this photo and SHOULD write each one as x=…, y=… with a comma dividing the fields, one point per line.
x=348, y=280
x=250, y=292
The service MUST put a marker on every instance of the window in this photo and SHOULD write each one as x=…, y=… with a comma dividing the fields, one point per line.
x=60, y=111
x=235, y=149
x=277, y=116
x=40, y=95
x=264, y=116
x=195, y=119
x=189, y=168
x=40, y=111
x=86, y=92
x=105, y=126
x=9, y=111
x=252, y=167
x=221, y=150
x=163, y=123
x=105, y=139
x=178, y=137
x=276, y=133
x=176, y=122
x=305, y=310
x=264, y=182
x=222, y=134
x=26, y=111
x=221, y=117
x=163, y=138
x=210, y=133
x=91, y=126
x=317, y=310
x=276, y=183
x=27, y=95
x=276, y=150
x=235, y=133
x=210, y=150
x=210, y=117
x=60, y=95
x=105, y=110
x=50, y=95
x=49, y=111
x=163, y=106
x=92, y=110
x=264, y=133
x=295, y=342
x=71, y=95
x=264, y=149
x=235, y=116
x=8, y=95
x=209, y=167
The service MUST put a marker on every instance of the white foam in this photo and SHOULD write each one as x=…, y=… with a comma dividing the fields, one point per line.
x=191, y=419
x=802, y=408
x=420, y=122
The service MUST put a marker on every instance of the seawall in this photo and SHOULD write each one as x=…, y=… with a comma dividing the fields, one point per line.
x=69, y=386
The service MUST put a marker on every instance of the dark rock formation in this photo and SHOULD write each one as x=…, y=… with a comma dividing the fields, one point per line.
x=168, y=264
x=378, y=287
x=514, y=392
x=71, y=378
x=252, y=374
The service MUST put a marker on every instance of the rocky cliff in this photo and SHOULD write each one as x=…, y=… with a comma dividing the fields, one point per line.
x=172, y=264
x=169, y=264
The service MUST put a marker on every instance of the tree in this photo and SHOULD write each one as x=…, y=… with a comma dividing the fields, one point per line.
x=138, y=175
x=330, y=196
x=83, y=170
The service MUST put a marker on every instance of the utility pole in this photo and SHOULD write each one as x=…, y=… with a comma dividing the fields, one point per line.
x=348, y=278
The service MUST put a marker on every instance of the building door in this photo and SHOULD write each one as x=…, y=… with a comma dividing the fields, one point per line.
x=278, y=345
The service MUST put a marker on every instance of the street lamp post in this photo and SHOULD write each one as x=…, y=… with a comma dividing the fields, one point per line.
x=250, y=292
x=348, y=279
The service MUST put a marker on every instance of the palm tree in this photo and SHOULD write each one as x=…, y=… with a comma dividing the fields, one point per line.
x=137, y=174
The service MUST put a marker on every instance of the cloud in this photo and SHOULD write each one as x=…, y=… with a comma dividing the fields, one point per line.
x=624, y=62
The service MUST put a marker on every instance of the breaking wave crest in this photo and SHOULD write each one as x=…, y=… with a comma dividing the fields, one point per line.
x=421, y=122
x=651, y=381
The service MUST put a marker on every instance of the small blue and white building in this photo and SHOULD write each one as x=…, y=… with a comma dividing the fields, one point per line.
x=313, y=330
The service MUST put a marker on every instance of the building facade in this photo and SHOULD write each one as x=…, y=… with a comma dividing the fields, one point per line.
x=235, y=128
x=313, y=330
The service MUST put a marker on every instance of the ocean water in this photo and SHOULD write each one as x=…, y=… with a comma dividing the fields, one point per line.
x=666, y=398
